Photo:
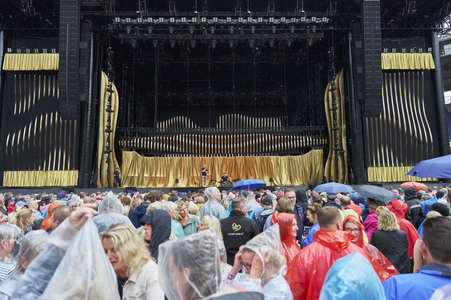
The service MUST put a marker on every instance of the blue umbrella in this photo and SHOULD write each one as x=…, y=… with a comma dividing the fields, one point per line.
x=248, y=184
x=439, y=167
x=333, y=188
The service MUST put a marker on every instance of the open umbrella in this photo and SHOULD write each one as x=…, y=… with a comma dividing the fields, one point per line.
x=375, y=192
x=417, y=185
x=439, y=167
x=248, y=184
x=333, y=188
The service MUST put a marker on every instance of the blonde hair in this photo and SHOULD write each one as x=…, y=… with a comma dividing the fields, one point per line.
x=380, y=209
x=128, y=246
x=387, y=221
x=192, y=208
x=212, y=223
x=20, y=218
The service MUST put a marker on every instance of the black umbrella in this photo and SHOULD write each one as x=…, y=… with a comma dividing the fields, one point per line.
x=375, y=192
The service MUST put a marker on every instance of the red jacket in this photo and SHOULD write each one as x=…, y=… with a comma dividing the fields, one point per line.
x=314, y=261
x=399, y=209
x=289, y=244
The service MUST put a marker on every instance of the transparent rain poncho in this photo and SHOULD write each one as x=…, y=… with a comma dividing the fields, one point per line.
x=251, y=204
x=73, y=265
x=268, y=247
x=352, y=277
x=190, y=268
x=111, y=211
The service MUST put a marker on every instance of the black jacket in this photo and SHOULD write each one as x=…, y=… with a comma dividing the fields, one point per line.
x=394, y=245
x=237, y=230
x=414, y=212
x=160, y=221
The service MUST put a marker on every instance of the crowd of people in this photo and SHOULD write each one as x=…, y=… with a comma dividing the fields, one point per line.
x=208, y=244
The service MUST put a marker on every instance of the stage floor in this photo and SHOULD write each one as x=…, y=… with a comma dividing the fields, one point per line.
x=54, y=190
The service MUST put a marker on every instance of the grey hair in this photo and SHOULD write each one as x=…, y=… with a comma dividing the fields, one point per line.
x=9, y=232
x=32, y=244
x=209, y=192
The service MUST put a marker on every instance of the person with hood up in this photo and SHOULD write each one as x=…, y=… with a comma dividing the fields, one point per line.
x=414, y=212
x=352, y=225
x=352, y=277
x=263, y=263
x=302, y=201
x=288, y=228
x=157, y=229
x=111, y=212
x=331, y=243
x=47, y=223
x=399, y=209
x=190, y=269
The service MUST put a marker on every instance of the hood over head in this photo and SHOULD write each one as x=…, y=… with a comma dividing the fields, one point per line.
x=160, y=221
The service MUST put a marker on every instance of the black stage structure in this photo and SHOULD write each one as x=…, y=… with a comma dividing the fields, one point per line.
x=219, y=79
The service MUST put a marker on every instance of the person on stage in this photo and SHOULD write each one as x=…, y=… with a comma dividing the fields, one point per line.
x=204, y=176
x=224, y=177
x=117, y=178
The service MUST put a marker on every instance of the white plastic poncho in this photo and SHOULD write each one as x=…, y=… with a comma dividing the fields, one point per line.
x=271, y=284
x=111, y=211
x=59, y=272
x=190, y=268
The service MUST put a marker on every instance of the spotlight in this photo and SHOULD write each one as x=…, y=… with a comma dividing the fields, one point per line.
x=231, y=29
x=191, y=29
x=212, y=29
x=171, y=29
x=149, y=29
x=253, y=29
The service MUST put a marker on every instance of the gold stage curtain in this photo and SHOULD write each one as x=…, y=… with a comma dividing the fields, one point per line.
x=31, y=61
x=40, y=178
x=393, y=174
x=337, y=169
x=407, y=61
x=159, y=172
x=105, y=171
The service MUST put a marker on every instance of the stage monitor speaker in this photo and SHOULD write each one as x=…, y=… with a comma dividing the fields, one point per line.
x=226, y=184
x=130, y=190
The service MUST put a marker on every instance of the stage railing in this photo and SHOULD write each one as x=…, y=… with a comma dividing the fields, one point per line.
x=288, y=140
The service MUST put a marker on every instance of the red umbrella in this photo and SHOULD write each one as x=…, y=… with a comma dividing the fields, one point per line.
x=417, y=185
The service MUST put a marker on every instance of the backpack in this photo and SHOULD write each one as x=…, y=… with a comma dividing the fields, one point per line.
x=261, y=221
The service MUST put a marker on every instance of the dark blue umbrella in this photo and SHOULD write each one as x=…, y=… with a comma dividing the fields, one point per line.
x=375, y=192
x=439, y=167
x=333, y=188
x=248, y=184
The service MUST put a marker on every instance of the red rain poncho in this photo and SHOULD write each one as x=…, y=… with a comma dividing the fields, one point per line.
x=47, y=223
x=373, y=251
x=399, y=209
x=315, y=260
x=289, y=244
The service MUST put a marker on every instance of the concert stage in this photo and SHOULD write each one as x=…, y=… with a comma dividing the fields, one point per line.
x=299, y=92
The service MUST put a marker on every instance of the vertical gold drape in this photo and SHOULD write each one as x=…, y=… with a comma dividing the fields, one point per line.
x=337, y=169
x=407, y=61
x=157, y=172
x=31, y=61
x=104, y=170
